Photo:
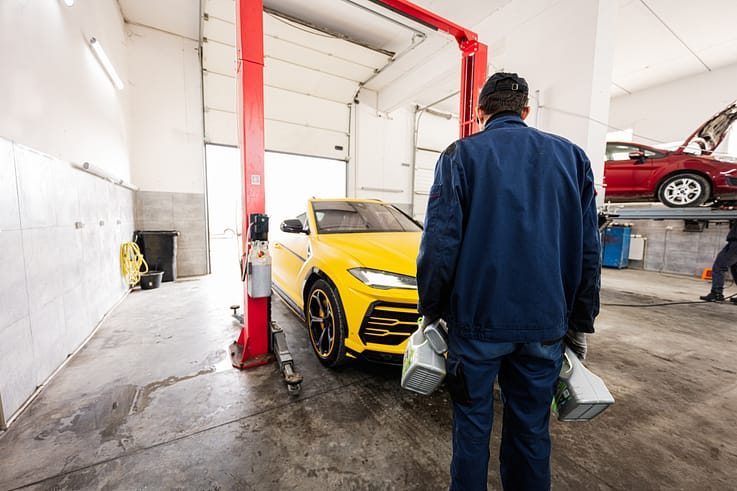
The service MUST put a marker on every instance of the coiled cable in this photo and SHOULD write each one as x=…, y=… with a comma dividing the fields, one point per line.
x=131, y=261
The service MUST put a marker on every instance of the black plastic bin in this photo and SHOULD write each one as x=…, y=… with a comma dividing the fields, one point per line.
x=151, y=280
x=159, y=249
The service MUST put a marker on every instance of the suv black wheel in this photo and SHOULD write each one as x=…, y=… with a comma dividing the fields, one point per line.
x=326, y=324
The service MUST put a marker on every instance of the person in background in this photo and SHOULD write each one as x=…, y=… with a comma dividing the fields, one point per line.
x=725, y=260
x=510, y=258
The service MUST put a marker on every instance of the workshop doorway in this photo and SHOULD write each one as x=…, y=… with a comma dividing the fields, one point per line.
x=290, y=180
x=293, y=179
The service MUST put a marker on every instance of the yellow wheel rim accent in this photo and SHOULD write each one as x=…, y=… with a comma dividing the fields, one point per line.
x=321, y=323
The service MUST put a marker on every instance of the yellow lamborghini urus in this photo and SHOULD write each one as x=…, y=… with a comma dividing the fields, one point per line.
x=347, y=267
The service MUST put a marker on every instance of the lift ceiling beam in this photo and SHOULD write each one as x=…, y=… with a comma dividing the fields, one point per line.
x=473, y=63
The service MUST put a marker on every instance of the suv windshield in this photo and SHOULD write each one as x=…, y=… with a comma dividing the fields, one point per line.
x=340, y=217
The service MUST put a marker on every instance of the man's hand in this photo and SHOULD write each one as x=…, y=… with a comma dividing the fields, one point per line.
x=577, y=342
x=426, y=321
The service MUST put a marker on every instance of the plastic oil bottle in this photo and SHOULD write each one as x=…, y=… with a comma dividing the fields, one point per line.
x=423, y=366
x=580, y=395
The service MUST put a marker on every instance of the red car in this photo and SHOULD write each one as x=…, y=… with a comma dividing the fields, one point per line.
x=688, y=176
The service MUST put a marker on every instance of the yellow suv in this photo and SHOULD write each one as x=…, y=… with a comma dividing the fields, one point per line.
x=347, y=268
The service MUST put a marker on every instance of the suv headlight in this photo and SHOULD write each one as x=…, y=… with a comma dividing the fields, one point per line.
x=384, y=280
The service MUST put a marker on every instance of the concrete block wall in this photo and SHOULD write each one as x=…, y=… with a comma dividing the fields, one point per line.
x=671, y=249
x=184, y=212
x=60, y=236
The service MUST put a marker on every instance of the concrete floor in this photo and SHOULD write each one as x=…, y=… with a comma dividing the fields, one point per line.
x=151, y=402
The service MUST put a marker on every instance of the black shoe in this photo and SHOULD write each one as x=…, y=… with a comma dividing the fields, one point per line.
x=733, y=299
x=713, y=297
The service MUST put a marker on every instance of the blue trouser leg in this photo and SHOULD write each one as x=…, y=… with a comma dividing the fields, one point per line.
x=529, y=372
x=527, y=379
x=725, y=260
x=472, y=423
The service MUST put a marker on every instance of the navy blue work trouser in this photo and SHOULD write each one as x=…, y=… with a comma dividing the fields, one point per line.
x=725, y=260
x=528, y=373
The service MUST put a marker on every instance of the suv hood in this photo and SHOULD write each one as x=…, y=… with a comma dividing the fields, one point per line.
x=710, y=134
x=389, y=251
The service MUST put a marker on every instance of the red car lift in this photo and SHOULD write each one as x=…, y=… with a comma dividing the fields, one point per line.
x=473, y=62
x=259, y=337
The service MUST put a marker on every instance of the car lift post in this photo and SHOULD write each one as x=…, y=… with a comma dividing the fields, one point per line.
x=260, y=338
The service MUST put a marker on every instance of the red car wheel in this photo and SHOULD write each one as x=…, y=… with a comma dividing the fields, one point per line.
x=684, y=190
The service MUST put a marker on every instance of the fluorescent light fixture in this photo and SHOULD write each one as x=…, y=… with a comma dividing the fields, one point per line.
x=68, y=3
x=105, y=62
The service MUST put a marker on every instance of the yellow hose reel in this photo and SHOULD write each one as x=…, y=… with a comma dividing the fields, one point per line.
x=131, y=261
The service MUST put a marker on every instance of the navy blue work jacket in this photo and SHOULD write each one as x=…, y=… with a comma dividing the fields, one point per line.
x=732, y=234
x=510, y=250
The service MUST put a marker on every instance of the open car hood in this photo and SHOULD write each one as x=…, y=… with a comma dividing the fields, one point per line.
x=710, y=134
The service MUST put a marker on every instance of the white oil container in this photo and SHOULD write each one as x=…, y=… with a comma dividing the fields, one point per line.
x=580, y=395
x=423, y=370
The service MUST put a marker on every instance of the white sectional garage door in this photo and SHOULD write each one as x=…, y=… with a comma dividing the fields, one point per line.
x=310, y=77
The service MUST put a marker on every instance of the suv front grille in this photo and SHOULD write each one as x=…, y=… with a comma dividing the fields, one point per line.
x=388, y=323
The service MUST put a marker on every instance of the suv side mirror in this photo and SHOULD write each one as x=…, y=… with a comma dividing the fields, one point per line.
x=291, y=226
x=638, y=156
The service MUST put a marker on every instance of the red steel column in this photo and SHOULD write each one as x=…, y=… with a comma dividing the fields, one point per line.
x=473, y=77
x=473, y=63
x=250, y=80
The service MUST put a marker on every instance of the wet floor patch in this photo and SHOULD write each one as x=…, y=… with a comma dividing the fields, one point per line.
x=143, y=395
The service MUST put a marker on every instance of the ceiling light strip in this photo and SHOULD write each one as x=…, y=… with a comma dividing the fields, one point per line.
x=106, y=64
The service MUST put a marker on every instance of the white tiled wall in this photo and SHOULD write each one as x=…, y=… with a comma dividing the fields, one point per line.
x=58, y=280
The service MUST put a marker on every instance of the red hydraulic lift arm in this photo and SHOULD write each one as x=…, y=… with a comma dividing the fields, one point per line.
x=473, y=63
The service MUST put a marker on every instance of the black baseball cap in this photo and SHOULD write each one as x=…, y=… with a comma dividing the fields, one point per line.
x=504, y=81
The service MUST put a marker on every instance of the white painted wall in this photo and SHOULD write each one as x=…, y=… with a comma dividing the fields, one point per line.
x=671, y=112
x=55, y=96
x=565, y=49
x=167, y=151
